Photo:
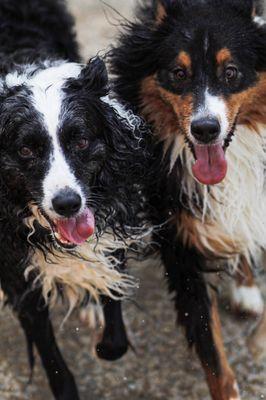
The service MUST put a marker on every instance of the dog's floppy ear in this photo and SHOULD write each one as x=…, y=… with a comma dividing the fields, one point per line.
x=93, y=78
x=259, y=43
x=94, y=75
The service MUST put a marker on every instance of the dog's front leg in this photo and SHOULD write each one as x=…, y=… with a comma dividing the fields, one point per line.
x=198, y=314
x=37, y=326
x=114, y=343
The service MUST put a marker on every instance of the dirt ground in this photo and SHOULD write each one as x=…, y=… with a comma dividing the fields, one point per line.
x=162, y=368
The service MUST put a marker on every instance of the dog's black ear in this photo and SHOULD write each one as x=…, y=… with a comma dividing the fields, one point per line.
x=94, y=76
x=245, y=7
x=259, y=44
x=259, y=39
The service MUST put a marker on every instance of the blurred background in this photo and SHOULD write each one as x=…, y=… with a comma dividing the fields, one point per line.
x=161, y=367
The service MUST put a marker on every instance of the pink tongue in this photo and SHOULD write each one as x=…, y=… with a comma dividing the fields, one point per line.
x=211, y=165
x=77, y=230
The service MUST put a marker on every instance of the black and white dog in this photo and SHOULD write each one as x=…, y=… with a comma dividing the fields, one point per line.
x=70, y=156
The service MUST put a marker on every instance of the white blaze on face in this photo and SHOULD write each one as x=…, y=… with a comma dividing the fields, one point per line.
x=48, y=97
x=213, y=107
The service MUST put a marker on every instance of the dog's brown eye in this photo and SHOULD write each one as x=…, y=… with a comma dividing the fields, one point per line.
x=82, y=144
x=25, y=152
x=180, y=74
x=231, y=73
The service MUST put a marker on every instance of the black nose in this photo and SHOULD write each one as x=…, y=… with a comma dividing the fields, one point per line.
x=67, y=203
x=205, y=130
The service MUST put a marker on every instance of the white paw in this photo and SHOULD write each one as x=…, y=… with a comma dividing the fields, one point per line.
x=247, y=299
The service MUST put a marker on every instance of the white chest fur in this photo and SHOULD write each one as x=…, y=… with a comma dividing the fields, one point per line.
x=92, y=269
x=236, y=208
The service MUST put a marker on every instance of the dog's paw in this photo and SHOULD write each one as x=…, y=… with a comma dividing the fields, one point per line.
x=247, y=300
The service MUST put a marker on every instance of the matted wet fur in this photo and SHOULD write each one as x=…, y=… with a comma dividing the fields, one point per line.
x=196, y=72
x=91, y=270
x=72, y=161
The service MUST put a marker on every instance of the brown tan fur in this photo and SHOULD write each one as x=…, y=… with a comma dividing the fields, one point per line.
x=253, y=105
x=244, y=275
x=250, y=104
x=157, y=111
x=244, y=105
x=182, y=107
x=222, y=386
x=169, y=112
x=160, y=13
x=205, y=236
x=223, y=56
x=184, y=60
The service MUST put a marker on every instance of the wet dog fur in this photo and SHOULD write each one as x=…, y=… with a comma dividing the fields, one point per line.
x=68, y=149
x=196, y=72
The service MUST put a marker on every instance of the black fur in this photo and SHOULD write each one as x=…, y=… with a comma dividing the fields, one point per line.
x=36, y=35
x=114, y=343
x=31, y=30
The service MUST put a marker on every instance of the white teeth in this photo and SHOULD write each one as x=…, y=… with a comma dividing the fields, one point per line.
x=60, y=239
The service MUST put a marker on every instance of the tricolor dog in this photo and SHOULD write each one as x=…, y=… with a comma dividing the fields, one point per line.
x=196, y=71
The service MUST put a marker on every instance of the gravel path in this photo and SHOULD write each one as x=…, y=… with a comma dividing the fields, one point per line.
x=161, y=368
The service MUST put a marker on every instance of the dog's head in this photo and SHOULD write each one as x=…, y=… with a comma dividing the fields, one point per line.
x=198, y=68
x=67, y=148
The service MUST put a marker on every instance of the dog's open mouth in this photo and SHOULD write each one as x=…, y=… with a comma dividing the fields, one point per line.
x=210, y=167
x=72, y=232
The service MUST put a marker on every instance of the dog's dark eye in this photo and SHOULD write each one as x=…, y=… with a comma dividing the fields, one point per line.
x=25, y=152
x=231, y=73
x=82, y=144
x=180, y=74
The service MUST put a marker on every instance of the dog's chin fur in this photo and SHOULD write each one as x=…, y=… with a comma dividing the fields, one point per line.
x=229, y=218
x=81, y=276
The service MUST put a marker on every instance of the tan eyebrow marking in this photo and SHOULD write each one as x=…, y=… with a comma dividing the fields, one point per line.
x=184, y=59
x=161, y=13
x=223, y=56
